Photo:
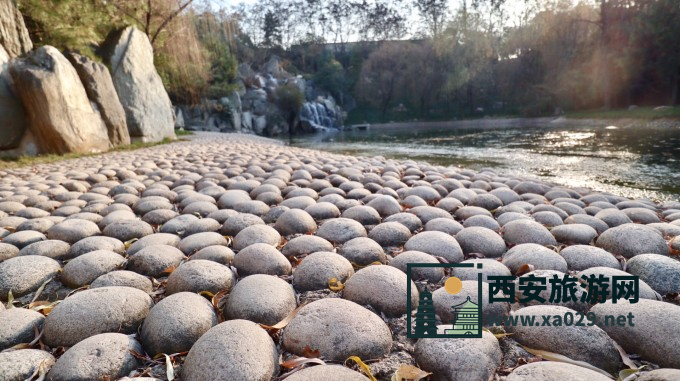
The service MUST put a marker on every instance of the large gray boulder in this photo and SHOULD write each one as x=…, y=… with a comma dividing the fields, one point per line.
x=60, y=115
x=99, y=87
x=147, y=105
x=14, y=116
x=13, y=33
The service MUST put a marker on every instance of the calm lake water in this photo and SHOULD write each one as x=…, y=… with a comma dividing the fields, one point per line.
x=633, y=162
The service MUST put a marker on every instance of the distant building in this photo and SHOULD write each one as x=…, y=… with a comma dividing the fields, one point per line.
x=466, y=319
x=426, y=321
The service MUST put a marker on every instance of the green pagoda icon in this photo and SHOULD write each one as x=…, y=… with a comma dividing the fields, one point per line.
x=426, y=322
x=466, y=319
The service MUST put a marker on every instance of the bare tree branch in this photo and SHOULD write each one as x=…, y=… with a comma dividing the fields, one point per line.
x=168, y=19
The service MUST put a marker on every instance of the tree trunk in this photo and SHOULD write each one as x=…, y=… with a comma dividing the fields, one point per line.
x=604, y=70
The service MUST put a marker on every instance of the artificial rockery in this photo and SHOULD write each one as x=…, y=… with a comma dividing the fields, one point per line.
x=63, y=102
x=255, y=106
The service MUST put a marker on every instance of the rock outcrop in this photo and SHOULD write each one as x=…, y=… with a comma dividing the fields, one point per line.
x=13, y=33
x=253, y=109
x=147, y=106
x=61, y=117
x=100, y=90
x=11, y=109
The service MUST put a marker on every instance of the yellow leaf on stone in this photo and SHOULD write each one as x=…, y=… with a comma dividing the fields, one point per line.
x=335, y=285
x=130, y=242
x=364, y=368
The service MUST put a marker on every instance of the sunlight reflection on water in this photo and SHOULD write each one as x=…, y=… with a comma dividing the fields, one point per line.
x=633, y=162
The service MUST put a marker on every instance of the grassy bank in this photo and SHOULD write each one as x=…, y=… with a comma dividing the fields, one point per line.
x=25, y=161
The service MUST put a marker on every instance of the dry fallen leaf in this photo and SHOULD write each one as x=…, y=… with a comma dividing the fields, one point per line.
x=40, y=290
x=624, y=356
x=409, y=372
x=283, y=323
x=310, y=353
x=169, y=370
x=299, y=361
x=525, y=268
x=497, y=335
x=561, y=358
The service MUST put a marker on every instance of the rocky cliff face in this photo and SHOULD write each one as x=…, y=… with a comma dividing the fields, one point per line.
x=13, y=33
x=252, y=108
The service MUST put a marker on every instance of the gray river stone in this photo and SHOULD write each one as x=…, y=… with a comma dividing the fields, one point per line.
x=200, y=275
x=540, y=257
x=328, y=373
x=72, y=231
x=176, y=322
x=383, y=288
x=107, y=355
x=432, y=274
x=155, y=261
x=582, y=343
x=362, y=251
x=123, y=278
x=21, y=364
x=658, y=271
x=438, y=244
x=261, y=258
x=583, y=257
x=233, y=350
x=555, y=371
x=19, y=326
x=86, y=268
x=91, y=312
x=25, y=274
x=459, y=359
x=341, y=230
x=317, y=269
x=260, y=298
x=355, y=331
x=655, y=333
x=527, y=231
x=630, y=240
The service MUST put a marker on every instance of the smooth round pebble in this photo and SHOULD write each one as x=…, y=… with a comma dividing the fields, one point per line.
x=260, y=298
